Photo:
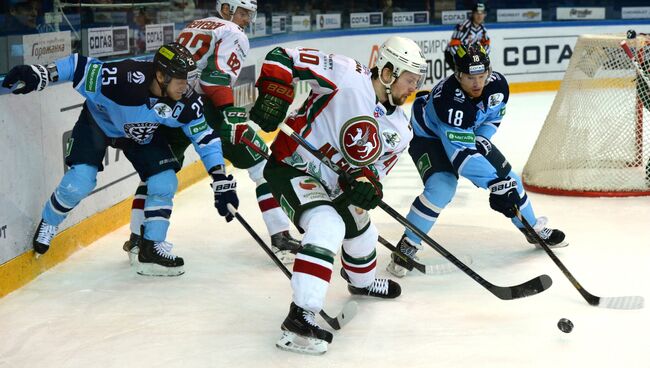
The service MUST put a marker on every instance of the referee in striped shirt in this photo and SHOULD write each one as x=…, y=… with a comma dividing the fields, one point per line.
x=468, y=32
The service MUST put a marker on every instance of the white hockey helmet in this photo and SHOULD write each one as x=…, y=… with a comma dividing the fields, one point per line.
x=250, y=5
x=404, y=55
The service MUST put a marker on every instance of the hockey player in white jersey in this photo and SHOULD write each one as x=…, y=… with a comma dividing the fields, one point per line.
x=353, y=116
x=220, y=47
x=453, y=126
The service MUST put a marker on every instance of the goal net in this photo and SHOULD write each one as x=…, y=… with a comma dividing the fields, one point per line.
x=596, y=138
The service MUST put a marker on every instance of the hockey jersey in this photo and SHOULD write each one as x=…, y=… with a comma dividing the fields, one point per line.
x=219, y=48
x=449, y=114
x=118, y=98
x=341, y=116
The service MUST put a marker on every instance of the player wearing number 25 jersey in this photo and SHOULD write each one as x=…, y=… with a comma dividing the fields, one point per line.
x=219, y=47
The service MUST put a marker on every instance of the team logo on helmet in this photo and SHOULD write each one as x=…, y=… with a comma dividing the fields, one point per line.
x=140, y=132
x=360, y=142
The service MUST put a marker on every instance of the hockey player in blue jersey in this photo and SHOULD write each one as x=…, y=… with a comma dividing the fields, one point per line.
x=453, y=127
x=126, y=102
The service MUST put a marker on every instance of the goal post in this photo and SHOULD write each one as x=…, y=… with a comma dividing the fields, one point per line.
x=596, y=138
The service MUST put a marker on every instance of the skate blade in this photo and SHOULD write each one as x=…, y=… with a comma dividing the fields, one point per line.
x=299, y=344
x=153, y=269
x=133, y=256
x=562, y=244
x=396, y=270
x=285, y=256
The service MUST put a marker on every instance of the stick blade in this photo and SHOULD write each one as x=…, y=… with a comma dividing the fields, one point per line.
x=528, y=288
x=348, y=312
x=622, y=302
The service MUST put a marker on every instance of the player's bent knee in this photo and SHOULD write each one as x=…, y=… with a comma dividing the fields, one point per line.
x=82, y=178
x=362, y=245
x=163, y=184
x=440, y=188
x=256, y=173
x=323, y=227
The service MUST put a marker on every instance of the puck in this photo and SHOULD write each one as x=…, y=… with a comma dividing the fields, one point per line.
x=565, y=325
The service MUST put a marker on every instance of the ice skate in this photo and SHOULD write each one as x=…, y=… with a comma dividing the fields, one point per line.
x=380, y=288
x=301, y=333
x=156, y=259
x=132, y=247
x=43, y=237
x=554, y=238
x=284, y=246
x=397, y=266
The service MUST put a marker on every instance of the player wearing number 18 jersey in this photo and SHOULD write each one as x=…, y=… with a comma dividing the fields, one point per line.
x=220, y=47
x=453, y=126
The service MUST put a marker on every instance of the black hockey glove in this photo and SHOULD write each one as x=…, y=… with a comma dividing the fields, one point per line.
x=28, y=78
x=272, y=104
x=361, y=188
x=224, y=188
x=503, y=196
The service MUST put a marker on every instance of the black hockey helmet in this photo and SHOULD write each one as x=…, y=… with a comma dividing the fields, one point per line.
x=175, y=61
x=479, y=8
x=472, y=59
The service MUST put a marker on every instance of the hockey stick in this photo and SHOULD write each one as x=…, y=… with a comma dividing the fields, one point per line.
x=349, y=309
x=635, y=62
x=621, y=302
x=531, y=287
x=411, y=263
x=427, y=269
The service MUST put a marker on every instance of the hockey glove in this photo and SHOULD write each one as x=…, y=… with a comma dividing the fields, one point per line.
x=272, y=104
x=362, y=188
x=224, y=188
x=28, y=78
x=503, y=196
x=234, y=126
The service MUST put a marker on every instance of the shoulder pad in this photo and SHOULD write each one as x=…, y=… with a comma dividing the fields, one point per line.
x=497, y=85
x=191, y=106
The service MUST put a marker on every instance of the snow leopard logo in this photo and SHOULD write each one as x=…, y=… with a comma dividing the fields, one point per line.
x=142, y=133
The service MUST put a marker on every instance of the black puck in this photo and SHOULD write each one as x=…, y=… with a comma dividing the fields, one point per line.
x=565, y=325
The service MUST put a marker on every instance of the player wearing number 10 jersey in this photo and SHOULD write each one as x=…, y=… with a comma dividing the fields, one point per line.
x=220, y=47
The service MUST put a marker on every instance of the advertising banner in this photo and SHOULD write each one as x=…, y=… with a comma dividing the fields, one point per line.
x=363, y=20
x=105, y=41
x=635, y=12
x=328, y=21
x=580, y=13
x=454, y=16
x=519, y=15
x=278, y=24
x=300, y=23
x=157, y=35
x=410, y=18
x=43, y=48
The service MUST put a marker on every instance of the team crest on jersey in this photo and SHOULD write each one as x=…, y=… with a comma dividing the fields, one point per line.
x=391, y=138
x=495, y=99
x=163, y=110
x=459, y=96
x=135, y=77
x=380, y=111
x=360, y=140
x=140, y=132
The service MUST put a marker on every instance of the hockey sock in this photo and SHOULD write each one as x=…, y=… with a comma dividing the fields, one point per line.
x=158, y=205
x=275, y=219
x=137, y=208
x=439, y=189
